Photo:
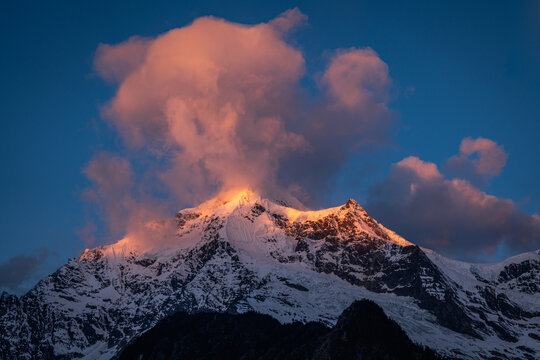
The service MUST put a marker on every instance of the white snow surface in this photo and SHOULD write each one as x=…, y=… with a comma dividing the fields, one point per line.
x=261, y=271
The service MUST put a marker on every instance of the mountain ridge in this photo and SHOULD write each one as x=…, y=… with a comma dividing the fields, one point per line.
x=242, y=252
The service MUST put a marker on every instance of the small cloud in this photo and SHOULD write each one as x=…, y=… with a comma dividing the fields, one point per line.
x=115, y=63
x=17, y=272
x=478, y=160
x=357, y=79
x=425, y=170
x=288, y=20
x=409, y=91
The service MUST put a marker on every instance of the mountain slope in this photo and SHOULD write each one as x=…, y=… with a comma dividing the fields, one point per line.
x=362, y=332
x=245, y=253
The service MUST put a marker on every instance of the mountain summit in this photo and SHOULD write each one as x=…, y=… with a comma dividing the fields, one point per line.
x=240, y=252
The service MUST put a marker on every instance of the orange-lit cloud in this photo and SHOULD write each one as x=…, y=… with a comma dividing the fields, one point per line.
x=358, y=80
x=211, y=96
x=220, y=105
x=424, y=170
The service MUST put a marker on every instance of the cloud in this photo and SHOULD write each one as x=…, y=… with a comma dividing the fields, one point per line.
x=289, y=20
x=124, y=206
x=211, y=96
x=358, y=80
x=478, y=160
x=111, y=190
x=356, y=87
x=424, y=170
x=115, y=63
x=220, y=105
x=87, y=233
x=17, y=271
x=351, y=117
x=451, y=216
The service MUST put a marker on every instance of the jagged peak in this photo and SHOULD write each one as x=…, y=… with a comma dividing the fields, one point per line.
x=351, y=203
x=355, y=206
x=121, y=249
x=232, y=199
x=242, y=203
x=247, y=202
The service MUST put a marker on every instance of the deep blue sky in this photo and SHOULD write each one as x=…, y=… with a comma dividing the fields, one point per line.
x=461, y=68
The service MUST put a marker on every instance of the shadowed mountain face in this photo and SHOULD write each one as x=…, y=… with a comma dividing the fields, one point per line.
x=246, y=253
x=363, y=331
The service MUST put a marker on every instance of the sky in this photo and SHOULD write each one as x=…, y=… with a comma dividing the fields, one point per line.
x=425, y=112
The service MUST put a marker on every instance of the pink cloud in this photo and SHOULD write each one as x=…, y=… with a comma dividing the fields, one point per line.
x=288, y=20
x=211, y=94
x=451, y=216
x=492, y=158
x=220, y=105
x=478, y=159
x=357, y=79
x=115, y=63
x=424, y=170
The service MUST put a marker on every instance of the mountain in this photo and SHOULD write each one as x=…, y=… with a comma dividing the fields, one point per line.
x=245, y=253
x=363, y=331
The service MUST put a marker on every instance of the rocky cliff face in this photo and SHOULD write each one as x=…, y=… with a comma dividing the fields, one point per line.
x=246, y=253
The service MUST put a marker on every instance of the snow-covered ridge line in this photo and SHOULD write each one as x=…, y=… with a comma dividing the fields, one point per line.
x=241, y=252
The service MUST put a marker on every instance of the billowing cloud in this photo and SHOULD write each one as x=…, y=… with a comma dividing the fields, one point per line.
x=478, y=159
x=220, y=105
x=451, y=216
x=211, y=95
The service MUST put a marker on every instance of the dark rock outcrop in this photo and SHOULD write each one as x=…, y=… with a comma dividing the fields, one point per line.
x=363, y=332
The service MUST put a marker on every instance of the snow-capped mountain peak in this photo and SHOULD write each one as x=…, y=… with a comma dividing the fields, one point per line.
x=240, y=252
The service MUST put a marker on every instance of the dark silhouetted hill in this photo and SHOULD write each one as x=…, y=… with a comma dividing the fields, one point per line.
x=363, y=331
